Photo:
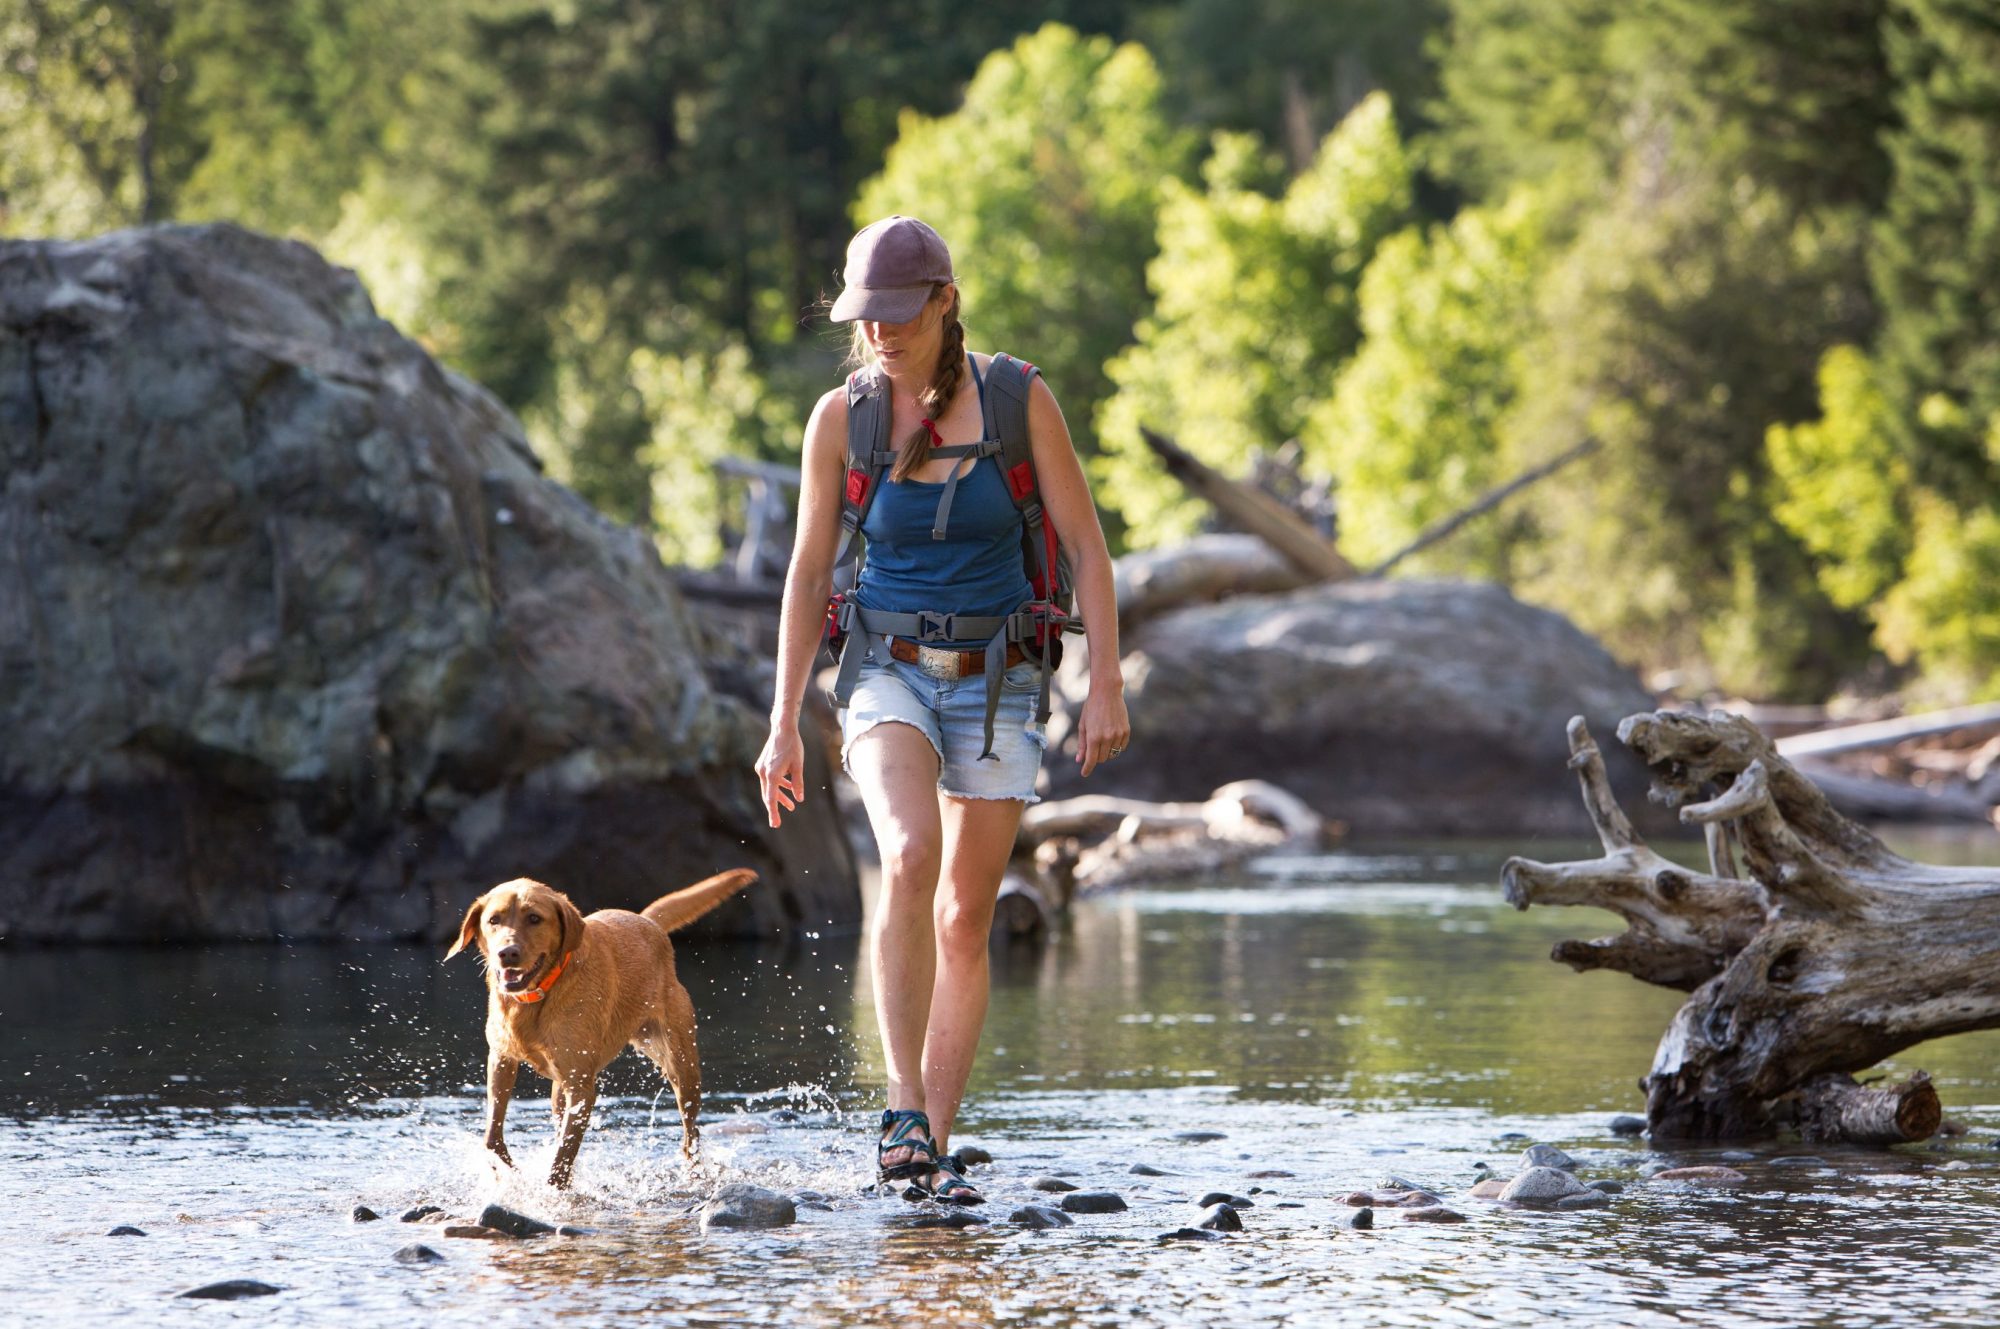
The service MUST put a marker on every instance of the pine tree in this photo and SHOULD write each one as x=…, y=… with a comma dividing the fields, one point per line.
x=1936, y=259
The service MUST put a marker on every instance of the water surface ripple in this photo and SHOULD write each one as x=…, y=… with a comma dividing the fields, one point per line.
x=1339, y=1019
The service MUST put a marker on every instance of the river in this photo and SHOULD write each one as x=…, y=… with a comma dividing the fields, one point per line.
x=1341, y=1018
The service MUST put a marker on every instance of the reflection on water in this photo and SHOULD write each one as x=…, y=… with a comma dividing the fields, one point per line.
x=1337, y=1018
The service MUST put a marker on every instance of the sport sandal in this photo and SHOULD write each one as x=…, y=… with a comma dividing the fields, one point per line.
x=904, y=1128
x=946, y=1184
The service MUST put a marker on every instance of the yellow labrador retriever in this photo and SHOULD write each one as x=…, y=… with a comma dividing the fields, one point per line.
x=565, y=993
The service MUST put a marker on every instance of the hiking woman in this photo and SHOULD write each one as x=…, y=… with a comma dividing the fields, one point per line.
x=944, y=754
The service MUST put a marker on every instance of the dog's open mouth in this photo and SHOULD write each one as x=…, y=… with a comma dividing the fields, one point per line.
x=520, y=980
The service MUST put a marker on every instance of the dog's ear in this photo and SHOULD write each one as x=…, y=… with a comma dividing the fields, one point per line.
x=571, y=919
x=468, y=931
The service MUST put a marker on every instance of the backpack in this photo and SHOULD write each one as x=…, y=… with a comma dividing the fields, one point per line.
x=1037, y=625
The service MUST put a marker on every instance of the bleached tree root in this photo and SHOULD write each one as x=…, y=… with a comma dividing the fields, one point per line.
x=1810, y=950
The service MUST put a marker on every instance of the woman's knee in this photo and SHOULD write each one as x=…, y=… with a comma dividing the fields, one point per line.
x=963, y=924
x=910, y=858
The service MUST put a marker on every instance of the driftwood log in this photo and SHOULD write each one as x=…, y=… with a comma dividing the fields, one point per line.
x=1809, y=950
x=1099, y=842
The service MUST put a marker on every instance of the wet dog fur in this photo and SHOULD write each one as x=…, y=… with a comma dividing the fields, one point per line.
x=617, y=987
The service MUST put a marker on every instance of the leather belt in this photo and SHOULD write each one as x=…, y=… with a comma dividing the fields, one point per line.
x=944, y=664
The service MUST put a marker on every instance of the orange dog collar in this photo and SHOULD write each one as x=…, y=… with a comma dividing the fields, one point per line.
x=541, y=989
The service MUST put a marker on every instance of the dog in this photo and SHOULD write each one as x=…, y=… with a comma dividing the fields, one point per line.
x=565, y=993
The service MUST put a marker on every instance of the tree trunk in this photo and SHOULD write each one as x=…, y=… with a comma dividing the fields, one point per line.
x=1832, y=955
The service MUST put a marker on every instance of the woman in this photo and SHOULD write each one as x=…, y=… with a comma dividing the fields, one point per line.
x=943, y=776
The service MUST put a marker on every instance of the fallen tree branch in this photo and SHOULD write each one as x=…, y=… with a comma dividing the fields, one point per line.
x=1485, y=503
x=1254, y=511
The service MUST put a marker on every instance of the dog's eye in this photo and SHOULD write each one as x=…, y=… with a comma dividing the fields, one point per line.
x=534, y=919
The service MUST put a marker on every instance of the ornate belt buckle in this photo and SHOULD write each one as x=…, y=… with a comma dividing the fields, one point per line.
x=938, y=663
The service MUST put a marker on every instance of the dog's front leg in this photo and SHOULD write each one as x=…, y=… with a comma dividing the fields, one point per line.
x=501, y=1074
x=579, y=1096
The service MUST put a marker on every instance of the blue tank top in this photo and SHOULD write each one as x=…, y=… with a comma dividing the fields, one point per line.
x=976, y=569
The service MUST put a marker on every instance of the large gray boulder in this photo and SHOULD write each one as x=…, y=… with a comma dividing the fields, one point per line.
x=1399, y=707
x=297, y=641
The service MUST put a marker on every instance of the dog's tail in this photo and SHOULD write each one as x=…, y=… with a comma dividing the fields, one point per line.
x=685, y=906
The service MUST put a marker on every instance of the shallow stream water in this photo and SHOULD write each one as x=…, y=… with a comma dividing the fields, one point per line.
x=1338, y=1019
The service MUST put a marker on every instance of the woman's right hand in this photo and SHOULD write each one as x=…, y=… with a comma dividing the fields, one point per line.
x=781, y=770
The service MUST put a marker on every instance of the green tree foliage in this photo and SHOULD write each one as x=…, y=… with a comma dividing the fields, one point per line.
x=1943, y=614
x=1936, y=259
x=1045, y=182
x=1288, y=71
x=1843, y=485
x=1673, y=334
x=192, y=110
x=1792, y=93
x=1254, y=310
x=1413, y=430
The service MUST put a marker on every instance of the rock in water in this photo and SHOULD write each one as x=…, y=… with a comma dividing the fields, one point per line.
x=1039, y=1216
x=1053, y=1185
x=308, y=647
x=1190, y=1234
x=1628, y=1125
x=741, y=1205
x=1363, y=1218
x=1541, y=1185
x=514, y=1225
x=949, y=1218
x=1199, y=1137
x=1547, y=1155
x=1709, y=1175
x=1432, y=1214
x=1591, y=1198
x=1146, y=1170
x=1224, y=1197
x=125, y=1230
x=234, y=1289
x=361, y=1213
x=1094, y=1202
x=417, y=1253
x=1220, y=1218
x=421, y=1212
x=1408, y=705
x=971, y=1155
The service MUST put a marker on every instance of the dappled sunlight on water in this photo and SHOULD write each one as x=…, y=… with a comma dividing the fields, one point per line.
x=1337, y=1021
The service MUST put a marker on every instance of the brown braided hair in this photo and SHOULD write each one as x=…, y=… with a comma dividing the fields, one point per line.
x=946, y=376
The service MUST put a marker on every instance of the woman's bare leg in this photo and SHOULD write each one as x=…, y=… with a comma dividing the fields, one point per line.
x=896, y=768
x=978, y=839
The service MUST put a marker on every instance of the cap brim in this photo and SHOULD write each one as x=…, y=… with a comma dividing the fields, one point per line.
x=881, y=304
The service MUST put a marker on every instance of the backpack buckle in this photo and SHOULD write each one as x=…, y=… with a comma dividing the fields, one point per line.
x=933, y=626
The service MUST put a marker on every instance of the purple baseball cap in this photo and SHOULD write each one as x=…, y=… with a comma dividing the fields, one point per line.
x=893, y=265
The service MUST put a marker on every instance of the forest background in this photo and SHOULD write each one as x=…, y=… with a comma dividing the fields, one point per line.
x=1749, y=247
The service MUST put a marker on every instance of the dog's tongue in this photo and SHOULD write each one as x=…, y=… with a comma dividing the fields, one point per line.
x=512, y=978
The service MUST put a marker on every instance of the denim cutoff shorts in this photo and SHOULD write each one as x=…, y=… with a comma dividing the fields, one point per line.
x=952, y=715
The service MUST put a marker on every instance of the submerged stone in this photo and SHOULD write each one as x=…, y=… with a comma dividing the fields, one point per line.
x=417, y=1253
x=1224, y=1197
x=1432, y=1215
x=125, y=1230
x=1053, y=1185
x=1199, y=1137
x=1094, y=1202
x=1039, y=1217
x=1547, y=1155
x=234, y=1289
x=1626, y=1124
x=1146, y=1170
x=1589, y=1199
x=971, y=1155
x=361, y=1213
x=1191, y=1234
x=1220, y=1218
x=1541, y=1185
x=502, y=1219
x=1363, y=1218
x=421, y=1212
x=741, y=1205
x=1708, y=1175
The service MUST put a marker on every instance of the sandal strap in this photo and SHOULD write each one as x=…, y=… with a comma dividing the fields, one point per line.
x=954, y=1177
x=903, y=1125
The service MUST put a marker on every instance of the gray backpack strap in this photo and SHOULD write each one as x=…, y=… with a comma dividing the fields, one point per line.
x=868, y=460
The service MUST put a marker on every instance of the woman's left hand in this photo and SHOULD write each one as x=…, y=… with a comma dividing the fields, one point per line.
x=1104, y=729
